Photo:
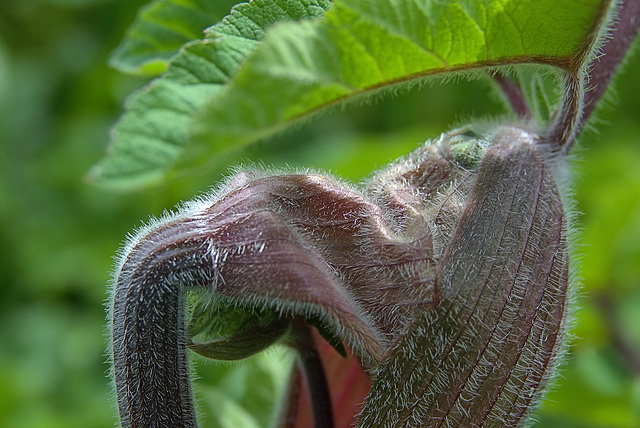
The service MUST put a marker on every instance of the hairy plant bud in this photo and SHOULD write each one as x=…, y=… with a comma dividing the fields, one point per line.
x=483, y=355
x=445, y=274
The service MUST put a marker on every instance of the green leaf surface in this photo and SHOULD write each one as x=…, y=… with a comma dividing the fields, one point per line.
x=363, y=46
x=161, y=28
x=359, y=48
x=152, y=133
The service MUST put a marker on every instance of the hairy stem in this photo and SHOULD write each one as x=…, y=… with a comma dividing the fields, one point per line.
x=586, y=83
x=149, y=334
x=564, y=132
x=483, y=356
x=604, y=67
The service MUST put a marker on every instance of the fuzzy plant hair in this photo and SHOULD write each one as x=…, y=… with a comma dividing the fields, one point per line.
x=447, y=273
x=430, y=249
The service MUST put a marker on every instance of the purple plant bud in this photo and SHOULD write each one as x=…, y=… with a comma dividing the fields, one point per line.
x=446, y=275
x=484, y=354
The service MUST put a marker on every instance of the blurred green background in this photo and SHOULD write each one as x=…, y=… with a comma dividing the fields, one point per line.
x=58, y=233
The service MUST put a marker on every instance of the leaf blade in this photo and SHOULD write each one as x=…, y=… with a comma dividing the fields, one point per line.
x=151, y=135
x=361, y=47
x=161, y=28
x=358, y=49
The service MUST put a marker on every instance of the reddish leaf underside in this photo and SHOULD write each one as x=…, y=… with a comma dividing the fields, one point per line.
x=348, y=384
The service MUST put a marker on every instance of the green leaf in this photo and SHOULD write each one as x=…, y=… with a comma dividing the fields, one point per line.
x=363, y=46
x=161, y=28
x=152, y=133
x=358, y=49
x=221, y=331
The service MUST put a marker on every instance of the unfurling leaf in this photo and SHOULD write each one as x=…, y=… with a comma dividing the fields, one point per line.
x=445, y=273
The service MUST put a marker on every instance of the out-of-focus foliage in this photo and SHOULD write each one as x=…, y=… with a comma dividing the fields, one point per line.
x=57, y=233
x=161, y=29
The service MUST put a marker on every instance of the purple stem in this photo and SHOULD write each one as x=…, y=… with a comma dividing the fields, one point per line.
x=514, y=95
x=150, y=361
x=581, y=102
x=314, y=374
x=603, y=68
